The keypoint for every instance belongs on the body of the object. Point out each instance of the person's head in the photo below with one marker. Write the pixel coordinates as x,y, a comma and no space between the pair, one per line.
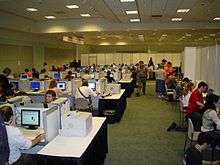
205,140
108,73
50,96
189,87
53,84
45,64
212,102
33,70
70,73
85,83
7,71
26,70
6,113
164,61
203,87
169,63
186,80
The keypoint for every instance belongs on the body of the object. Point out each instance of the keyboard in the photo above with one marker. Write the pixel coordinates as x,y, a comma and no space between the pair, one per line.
31,134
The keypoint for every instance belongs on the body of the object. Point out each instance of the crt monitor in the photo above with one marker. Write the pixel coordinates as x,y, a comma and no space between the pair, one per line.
92,85
23,76
61,85
56,76
35,85
30,118
14,85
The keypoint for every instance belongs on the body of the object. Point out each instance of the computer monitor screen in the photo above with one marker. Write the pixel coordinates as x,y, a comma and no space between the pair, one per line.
14,85
30,118
56,76
61,85
92,85
23,76
35,85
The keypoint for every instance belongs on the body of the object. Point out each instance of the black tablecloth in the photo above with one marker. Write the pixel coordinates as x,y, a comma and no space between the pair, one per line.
94,155
129,88
118,105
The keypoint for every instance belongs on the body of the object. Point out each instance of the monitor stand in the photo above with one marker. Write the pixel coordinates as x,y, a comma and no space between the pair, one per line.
32,127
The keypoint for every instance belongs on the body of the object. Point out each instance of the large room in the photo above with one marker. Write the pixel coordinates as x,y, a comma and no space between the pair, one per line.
108,82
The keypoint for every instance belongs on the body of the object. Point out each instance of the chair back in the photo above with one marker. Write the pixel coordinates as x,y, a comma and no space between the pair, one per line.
82,104
190,128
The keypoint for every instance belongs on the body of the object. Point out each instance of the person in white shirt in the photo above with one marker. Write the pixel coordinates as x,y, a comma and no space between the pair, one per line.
16,140
211,116
187,91
84,91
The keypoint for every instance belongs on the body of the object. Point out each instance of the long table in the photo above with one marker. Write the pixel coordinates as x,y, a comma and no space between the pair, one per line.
89,150
116,102
128,86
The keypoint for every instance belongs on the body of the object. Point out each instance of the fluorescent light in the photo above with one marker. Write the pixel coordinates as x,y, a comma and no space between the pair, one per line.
32,9
72,6
176,19
216,19
212,35
85,15
131,12
183,10
164,35
127,0
135,20
50,17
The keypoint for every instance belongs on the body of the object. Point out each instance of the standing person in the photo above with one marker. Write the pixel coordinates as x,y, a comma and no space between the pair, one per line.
4,147
151,69
196,103
5,86
7,73
168,69
160,81
141,78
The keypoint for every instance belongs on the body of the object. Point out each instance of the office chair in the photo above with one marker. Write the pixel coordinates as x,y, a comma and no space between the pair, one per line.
82,104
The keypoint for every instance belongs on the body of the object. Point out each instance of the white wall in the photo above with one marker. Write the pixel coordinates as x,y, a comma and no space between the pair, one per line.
131,58
203,64
189,64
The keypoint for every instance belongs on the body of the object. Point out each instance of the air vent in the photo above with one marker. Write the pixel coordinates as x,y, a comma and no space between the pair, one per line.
156,16
59,12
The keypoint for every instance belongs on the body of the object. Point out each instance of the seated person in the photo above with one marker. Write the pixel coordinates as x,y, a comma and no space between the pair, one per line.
84,91
171,82
211,118
69,76
16,140
196,105
187,91
50,96
53,86
194,154
109,77
2,94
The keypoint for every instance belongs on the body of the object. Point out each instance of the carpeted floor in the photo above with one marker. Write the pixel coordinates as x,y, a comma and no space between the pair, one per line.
141,137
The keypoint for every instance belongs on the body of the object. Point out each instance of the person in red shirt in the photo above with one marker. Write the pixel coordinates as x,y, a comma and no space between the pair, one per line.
196,104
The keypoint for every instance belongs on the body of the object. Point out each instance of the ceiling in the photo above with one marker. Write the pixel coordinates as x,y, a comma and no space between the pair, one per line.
150,12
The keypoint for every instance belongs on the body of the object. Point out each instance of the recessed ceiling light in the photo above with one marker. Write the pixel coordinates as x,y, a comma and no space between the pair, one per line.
135,20
212,35
176,19
32,9
127,0
85,15
50,17
183,10
216,19
188,35
131,12
164,35
72,6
